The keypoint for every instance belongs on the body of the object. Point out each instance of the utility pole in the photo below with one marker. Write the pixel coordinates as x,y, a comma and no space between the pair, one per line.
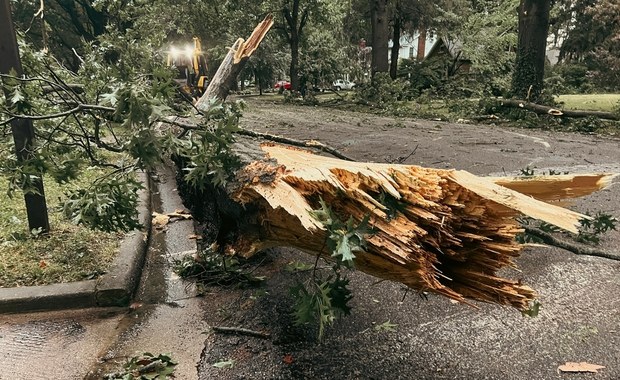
22,129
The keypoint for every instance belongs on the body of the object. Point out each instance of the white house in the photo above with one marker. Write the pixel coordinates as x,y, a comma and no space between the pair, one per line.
414,46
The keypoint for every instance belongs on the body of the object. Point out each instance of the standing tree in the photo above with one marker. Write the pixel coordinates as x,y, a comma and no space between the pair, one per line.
379,19
527,80
592,39
295,19
21,129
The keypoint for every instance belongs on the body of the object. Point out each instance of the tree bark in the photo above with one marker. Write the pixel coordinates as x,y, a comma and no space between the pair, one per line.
527,81
295,28
22,130
395,46
380,36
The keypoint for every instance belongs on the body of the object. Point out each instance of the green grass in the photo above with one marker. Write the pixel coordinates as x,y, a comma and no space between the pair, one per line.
590,102
68,253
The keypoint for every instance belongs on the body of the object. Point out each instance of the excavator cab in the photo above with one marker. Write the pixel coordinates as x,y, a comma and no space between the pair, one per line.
192,66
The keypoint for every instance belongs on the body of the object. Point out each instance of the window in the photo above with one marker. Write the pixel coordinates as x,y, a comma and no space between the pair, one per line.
411,52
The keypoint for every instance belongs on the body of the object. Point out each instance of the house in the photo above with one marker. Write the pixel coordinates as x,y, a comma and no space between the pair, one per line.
416,46
451,51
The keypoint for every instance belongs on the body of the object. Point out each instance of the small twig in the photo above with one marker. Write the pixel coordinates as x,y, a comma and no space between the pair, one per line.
241,331
402,159
578,249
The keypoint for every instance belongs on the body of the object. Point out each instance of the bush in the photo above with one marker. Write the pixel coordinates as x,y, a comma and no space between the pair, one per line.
421,75
568,78
382,91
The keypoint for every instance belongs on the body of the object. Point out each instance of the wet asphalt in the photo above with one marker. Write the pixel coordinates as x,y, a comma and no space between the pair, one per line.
432,338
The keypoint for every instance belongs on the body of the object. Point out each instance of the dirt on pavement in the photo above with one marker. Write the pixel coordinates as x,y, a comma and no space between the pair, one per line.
433,338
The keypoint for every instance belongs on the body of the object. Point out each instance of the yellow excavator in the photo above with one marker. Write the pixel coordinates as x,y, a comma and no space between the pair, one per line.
192,66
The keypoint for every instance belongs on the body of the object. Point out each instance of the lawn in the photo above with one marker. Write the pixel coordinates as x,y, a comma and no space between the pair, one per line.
68,253
591,102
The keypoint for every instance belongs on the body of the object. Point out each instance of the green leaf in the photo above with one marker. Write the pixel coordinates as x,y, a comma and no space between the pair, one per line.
305,304
533,310
297,266
386,326
224,364
110,98
324,214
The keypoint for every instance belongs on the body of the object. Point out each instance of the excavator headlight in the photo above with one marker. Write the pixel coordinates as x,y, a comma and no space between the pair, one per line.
189,52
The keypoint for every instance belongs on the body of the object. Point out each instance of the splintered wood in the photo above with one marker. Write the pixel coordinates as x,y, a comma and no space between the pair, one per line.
443,231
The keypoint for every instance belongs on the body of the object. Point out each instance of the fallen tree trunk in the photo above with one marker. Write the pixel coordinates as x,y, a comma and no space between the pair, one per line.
443,231
546,110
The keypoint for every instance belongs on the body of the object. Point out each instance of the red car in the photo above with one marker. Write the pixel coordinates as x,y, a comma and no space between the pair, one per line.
283,83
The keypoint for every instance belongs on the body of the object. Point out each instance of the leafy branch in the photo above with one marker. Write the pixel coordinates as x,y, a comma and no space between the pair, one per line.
590,233
324,298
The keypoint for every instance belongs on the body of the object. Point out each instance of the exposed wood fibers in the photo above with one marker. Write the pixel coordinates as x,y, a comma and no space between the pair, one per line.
450,233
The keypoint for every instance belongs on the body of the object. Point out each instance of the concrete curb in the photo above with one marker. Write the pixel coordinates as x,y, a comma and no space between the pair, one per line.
115,288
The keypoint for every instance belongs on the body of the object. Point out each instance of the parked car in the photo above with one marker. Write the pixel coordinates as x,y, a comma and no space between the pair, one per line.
342,84
282,83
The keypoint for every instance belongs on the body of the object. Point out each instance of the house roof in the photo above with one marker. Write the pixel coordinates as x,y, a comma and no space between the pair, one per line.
453,47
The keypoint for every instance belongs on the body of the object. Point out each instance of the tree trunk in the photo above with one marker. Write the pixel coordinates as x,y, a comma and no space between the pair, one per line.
293,68
443,231
527,81
22,130
380,36
395,47
546,110
295,28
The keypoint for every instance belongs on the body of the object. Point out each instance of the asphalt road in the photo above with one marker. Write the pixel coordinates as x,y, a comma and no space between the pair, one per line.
432,339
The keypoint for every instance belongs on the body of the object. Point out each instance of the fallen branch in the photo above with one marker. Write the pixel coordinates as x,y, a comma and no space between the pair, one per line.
546,110
443,231
302,144
578,249
269,137
241,331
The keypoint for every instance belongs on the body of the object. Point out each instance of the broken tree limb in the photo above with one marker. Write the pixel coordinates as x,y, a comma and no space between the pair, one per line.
578,249
556,188
241,331
446,231
226,76
304,144
546,110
